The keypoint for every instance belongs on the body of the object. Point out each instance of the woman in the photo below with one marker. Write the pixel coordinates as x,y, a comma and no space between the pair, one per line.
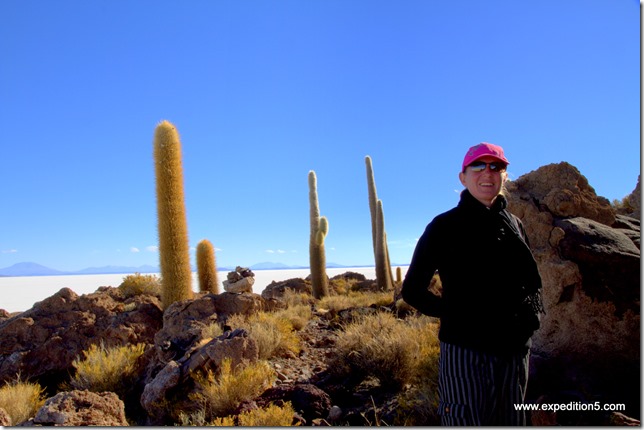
490,303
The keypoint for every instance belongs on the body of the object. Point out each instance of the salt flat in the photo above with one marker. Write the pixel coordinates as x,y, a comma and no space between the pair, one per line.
20,293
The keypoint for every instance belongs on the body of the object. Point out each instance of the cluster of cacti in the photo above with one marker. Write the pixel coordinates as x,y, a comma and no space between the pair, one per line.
319,230
174,250
207,268
384,277
174,254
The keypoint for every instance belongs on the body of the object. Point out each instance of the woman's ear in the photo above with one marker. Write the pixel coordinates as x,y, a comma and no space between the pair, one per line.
461,177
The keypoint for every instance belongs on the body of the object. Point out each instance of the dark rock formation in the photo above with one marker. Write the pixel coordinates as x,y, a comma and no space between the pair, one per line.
589,341
41,343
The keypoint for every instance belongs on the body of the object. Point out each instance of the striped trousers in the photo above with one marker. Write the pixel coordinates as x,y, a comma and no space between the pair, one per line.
477,388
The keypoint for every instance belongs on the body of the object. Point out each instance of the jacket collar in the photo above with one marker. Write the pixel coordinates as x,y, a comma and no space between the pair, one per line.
468,201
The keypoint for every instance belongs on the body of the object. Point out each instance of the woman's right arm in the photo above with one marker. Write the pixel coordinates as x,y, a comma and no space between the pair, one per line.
415,290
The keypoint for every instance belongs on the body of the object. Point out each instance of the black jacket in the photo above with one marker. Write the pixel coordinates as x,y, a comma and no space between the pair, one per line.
491,297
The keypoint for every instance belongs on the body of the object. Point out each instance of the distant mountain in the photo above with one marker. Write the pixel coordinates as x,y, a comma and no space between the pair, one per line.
268,265
117,269
34,269
29,269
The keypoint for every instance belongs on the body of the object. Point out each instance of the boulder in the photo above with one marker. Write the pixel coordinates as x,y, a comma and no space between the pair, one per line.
42,342
276,290
244,285
240,280
561,190
348,276
309,401
81,408
589,340
239,273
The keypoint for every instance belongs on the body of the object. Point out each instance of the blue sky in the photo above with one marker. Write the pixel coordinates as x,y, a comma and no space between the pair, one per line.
264,91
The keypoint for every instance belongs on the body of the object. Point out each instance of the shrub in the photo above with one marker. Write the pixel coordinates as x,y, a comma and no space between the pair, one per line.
136,284
270,416
293,298
107,369
297,315
274,334
392,351
355,299
418,406
222,393
21,400
212,331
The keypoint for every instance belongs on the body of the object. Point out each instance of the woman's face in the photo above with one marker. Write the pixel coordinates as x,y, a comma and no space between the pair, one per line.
486,185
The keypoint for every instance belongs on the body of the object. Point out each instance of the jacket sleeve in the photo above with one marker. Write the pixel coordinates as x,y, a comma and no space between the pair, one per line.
419,275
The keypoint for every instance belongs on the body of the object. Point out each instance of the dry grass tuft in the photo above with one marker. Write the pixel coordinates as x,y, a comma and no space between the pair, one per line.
293,298
418,406
136,284
107,369
273,332
270,416
297,315
356,299
221,393
21,400
393,351
212,331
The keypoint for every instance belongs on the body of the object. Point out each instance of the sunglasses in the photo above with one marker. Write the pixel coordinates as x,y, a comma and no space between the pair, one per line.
479,166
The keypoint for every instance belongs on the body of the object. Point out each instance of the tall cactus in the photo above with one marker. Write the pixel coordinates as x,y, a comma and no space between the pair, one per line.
384,277
207,268
319,230
174,250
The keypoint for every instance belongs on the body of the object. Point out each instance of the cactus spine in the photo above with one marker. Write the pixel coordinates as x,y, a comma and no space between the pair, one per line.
384,276
207,268
174,250
319,230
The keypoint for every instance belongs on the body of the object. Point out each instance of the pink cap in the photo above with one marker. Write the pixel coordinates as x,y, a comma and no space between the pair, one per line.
481,150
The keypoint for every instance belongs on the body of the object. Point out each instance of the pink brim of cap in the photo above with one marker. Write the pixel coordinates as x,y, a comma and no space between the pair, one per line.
481,150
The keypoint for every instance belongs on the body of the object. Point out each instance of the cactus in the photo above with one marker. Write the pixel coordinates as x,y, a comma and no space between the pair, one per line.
319,230
207,268
174,250
399,279
384,277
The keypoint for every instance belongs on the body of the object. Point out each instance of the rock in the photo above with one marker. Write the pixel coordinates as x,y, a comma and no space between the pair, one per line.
43,341
308,400
82,408
244,285
234,345
239,273
5,419
183,323
608,261
334,414
240,280
276,290
153,399
589,339
173,377
563,191
350,276
246,304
